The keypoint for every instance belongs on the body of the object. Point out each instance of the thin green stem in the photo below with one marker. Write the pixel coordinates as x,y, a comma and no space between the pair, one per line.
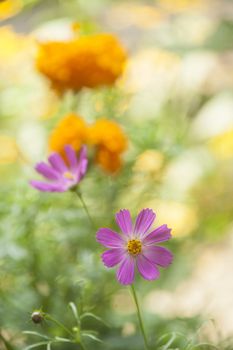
85,208
50,318
61,325
82,345
139,317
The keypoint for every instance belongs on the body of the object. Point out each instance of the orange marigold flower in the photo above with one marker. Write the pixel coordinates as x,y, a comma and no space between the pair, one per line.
110,140
71,130
109,161
105,136
88,61
108,134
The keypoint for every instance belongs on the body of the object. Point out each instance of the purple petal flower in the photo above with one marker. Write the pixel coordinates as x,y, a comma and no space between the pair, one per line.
135,247
113,257
123,220
126,270
109,238
144,221
61,177
147,269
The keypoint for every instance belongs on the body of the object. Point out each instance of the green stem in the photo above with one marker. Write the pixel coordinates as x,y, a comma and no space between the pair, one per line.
85,208
50,318
82,345
139,317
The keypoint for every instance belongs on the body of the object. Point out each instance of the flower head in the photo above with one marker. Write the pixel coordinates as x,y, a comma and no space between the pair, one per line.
110,142
37,316
105,136
71,130
9,8
89,61
135,247
61,176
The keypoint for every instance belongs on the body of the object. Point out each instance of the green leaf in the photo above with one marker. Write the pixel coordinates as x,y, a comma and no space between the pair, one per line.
36,345
64,340
90,314
91,336
75,312
37,334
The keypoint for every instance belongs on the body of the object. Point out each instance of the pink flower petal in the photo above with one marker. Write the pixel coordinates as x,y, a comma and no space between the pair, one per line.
83,161
158,255
113,257
124,221
48,187
126,271
57,163
160,234
72,157
146,268
47,171
144,221
109,238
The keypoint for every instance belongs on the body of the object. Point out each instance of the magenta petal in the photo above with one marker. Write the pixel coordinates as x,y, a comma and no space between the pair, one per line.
146,268
82,164
72,157
126,271
83,167
47,187
83,161
57,162
109,238
158,255
160,234
113,257
124,221
47,171
144,221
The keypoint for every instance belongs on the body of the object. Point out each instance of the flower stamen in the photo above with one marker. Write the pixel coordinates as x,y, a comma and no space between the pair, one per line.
68,175
134,246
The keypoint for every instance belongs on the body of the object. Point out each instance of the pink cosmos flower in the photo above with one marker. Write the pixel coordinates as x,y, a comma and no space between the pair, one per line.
60,176
136,246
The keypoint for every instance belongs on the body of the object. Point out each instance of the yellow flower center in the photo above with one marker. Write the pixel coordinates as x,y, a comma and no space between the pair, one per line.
68,175
134,246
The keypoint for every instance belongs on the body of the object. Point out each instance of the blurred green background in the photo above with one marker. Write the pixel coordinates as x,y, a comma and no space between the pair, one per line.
175,104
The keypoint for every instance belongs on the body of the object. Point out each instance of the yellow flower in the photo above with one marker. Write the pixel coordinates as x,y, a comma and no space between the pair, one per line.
110,140
105,136
9,8
222,145
88,61
149,162
12,43
181,217
8,150
71,130
181,5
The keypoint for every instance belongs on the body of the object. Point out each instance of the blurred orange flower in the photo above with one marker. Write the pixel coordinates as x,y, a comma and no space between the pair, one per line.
71,130
110,140
105,136
88,61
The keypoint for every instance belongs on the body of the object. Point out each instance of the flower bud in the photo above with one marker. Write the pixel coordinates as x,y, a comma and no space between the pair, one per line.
37,317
